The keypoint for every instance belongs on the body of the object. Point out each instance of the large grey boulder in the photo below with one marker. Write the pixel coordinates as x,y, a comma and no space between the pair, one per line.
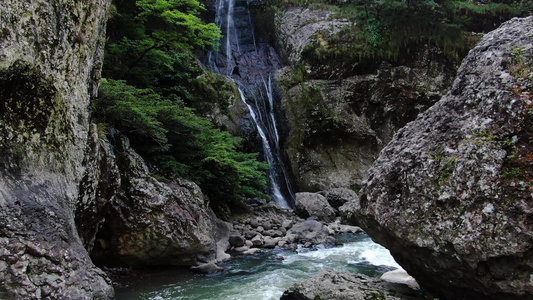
50,60
348,286
451,196
309,231
313,204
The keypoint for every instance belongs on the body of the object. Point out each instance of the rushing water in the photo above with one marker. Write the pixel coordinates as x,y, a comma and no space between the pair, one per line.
263,276
250,64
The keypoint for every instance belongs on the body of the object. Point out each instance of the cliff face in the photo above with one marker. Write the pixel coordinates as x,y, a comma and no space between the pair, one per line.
451,194
66,191
342,112
50,59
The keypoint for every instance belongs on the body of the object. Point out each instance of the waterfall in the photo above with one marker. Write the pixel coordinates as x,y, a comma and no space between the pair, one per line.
250,64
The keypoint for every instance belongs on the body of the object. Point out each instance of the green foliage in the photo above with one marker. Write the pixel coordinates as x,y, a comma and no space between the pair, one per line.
181,143
153,38
390,29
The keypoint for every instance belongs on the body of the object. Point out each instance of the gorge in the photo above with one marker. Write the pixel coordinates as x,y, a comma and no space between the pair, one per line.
449,194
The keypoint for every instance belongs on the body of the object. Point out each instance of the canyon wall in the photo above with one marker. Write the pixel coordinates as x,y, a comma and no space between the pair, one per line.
72,192
341,112
50,61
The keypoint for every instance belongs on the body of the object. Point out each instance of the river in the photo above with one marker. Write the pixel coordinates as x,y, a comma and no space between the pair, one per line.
263,276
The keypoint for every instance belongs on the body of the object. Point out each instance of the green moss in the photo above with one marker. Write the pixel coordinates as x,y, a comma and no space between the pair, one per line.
512,173
376,296
447,171
446,167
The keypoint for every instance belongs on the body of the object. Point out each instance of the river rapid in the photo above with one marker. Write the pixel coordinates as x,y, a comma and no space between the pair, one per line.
263,276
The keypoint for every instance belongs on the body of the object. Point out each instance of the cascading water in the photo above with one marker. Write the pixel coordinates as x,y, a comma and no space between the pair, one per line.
250,64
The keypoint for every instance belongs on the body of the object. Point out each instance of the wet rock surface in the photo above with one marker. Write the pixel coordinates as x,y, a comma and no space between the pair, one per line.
348,286
451,196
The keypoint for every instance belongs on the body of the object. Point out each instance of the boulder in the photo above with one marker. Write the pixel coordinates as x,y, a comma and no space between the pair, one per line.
450,196
252,251
342,112
312,204
287,224
270,242
348,286
149,222
400,276
257,240
339,196
249,234
308,231
237,240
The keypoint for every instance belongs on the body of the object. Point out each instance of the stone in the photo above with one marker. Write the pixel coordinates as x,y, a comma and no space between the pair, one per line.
254,223
270,242
266,225
208,268
308,231
341,228
449,195
287,224
282,230
252,251
400,276
237,240
257,240
314,205
249,234
348,286
241,249
339,196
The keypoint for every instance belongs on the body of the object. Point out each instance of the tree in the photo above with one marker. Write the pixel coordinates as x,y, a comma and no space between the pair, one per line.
146,37
180,143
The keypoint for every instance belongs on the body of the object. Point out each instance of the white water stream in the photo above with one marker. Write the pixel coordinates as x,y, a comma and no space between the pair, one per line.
264,276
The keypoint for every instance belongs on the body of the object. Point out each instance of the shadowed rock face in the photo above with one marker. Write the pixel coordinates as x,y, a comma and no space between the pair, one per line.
50,60
451,194
342,112
136,220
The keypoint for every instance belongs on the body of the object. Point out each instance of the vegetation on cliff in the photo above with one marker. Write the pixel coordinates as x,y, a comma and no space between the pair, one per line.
153,86
390,29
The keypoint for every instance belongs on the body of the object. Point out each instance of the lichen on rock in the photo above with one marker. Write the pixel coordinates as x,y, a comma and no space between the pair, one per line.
451,194
50,58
